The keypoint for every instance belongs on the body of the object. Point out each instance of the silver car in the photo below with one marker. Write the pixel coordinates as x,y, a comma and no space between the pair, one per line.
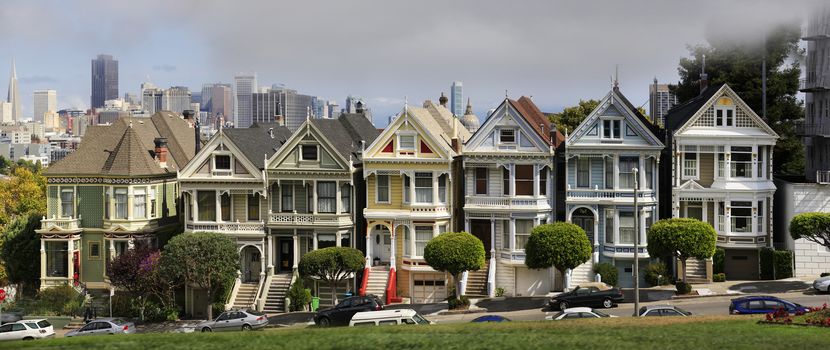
234,320
104,326
822,284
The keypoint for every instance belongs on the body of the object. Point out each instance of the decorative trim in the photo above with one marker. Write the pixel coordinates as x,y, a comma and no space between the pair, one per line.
104,180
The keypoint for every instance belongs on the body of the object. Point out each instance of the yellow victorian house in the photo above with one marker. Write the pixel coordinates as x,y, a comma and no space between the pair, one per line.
409,174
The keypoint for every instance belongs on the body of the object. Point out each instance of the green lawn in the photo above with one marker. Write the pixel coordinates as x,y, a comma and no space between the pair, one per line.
689,333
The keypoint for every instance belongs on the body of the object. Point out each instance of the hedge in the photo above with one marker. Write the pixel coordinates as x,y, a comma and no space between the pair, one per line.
776,264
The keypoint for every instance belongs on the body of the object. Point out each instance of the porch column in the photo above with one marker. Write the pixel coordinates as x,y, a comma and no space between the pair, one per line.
42,258
314,240
595,254
512,234
296,254
314,204
434,188
368,247
219,205
642,171
269,249
491,272
392,249
129,202
195,203
111,249
70,244
512,182
536,171
616,171
411,176
338,207
337,237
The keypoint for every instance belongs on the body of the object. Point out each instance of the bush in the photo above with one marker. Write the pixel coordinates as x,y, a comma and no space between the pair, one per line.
718,260
499,292
767,266
825,274
217,308
608,272
719,277
561,245
656,274
683,288
59,300
300,296
783,264
122,306
455,303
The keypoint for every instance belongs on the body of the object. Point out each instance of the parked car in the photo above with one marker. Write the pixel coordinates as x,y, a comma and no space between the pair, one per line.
104,326
341,314
490,318
27,330
663,310
588,294
235,320
578,312
387,317
822,284
763,305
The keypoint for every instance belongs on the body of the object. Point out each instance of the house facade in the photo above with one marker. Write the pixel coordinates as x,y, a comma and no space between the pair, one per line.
118,190
718,168
601,155
507,189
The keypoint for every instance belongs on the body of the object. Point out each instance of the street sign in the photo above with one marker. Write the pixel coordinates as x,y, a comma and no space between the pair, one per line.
2,295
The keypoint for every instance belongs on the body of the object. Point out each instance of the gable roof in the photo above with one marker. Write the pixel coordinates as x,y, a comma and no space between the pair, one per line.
126,148
256,143
634,110
537,120
346,133
680,114
653,133
440,122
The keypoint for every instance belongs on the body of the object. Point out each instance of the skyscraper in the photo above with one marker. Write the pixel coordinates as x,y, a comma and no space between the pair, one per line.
294,107
176,99
151,97
104,80
457,98
14,96
244,85
221,103
45,101
661,100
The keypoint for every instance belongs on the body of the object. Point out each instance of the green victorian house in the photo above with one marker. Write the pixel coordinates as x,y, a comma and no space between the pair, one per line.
116,191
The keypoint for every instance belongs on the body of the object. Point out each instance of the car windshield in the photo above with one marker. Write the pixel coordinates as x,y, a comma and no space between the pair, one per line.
682,311
420,319
600,313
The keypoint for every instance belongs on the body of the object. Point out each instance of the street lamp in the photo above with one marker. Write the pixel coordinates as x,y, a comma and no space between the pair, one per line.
636,246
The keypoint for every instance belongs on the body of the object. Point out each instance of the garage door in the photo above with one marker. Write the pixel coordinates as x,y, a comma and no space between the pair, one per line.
428,288
741,264
532,282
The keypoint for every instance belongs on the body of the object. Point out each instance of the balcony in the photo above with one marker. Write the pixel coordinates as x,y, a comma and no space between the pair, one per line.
823,177
226,227
60,224
308,219
511,202
624,251
813,84
742,241
622,195
812,129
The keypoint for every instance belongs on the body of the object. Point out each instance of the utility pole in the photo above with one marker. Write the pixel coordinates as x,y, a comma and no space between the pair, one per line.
636,245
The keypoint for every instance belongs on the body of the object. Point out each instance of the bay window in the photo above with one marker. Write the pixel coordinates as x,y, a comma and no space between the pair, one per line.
543,181
225,202
609,173
121,203
505,234
423,187
761,223
741,161
326,241
422,235
627,233
56,258
741,216
67,203
609,226
139,202
505,182
649,173
442,188
406,187
523,228
326,197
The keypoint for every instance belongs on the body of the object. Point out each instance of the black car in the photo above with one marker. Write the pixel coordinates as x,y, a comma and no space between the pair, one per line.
589,294
341,314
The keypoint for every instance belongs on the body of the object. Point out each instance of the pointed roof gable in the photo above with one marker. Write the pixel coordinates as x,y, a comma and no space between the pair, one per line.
618,105
256,143
422,121
130,158
689,114
346,133
680,114
525,113
534,117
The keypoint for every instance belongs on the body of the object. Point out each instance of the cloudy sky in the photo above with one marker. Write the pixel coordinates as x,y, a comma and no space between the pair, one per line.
556,51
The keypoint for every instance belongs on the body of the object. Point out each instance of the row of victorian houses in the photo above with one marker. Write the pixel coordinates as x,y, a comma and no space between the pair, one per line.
341,182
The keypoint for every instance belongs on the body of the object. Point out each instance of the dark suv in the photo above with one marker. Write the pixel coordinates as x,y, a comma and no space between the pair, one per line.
341,314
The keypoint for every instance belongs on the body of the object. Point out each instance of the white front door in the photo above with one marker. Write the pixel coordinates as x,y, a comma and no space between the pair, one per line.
381,244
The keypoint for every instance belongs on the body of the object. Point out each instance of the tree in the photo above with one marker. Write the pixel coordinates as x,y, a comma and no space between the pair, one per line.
738,64
23,193
814,227
571,117
130,271
562,245
21,251
454,253
682,238
208,260
331,265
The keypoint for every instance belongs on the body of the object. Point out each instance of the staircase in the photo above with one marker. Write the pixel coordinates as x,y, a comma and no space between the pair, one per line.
275,302
378,277
582,274
695,271
477,282
245,296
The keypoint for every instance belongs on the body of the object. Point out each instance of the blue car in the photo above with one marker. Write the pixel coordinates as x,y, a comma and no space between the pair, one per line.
490,318
763,305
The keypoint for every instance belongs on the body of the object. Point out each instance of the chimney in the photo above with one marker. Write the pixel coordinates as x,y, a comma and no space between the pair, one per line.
456,145
443,100
704,78
271,132
161,151
280,120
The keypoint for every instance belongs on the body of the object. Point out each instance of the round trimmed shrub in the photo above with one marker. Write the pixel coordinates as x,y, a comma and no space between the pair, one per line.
719,277
562,245
683,288
608,273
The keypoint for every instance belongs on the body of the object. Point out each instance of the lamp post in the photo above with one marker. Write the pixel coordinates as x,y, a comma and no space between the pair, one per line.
636,246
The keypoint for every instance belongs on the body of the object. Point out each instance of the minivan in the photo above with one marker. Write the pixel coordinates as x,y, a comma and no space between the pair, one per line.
387,317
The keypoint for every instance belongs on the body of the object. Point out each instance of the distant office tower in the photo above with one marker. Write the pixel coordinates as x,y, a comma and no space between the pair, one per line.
151,97
6,113
352,102
132,99
14,96
45,101
104,80
265,106
661,100
294,107
320,108
334,110
457,99
244,86
207,94
176,99
221,103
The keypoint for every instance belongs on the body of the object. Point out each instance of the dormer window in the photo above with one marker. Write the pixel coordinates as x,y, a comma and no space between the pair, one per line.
308,153
507,136
725,112
222,164
611,129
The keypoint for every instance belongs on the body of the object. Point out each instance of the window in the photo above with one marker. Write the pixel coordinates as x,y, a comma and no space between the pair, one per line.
345,198
505,182
253,207
543,181
95,250
627,164
153,202
407,241
56,258
741,162
583,172
222,164
382,189
121,203
761,161
741,215
442,188
423,187
609,172
206,201
724,115
721,164
611,129
481,180
309,191
689,165
422,235
523,228
326,241
287,195
609,226
694,210
345,241
761,223
524,180
649,173
507,136
406,187
627,233
107,202
505,235
67,203
406,143
326,197
225,202
139,202
308,152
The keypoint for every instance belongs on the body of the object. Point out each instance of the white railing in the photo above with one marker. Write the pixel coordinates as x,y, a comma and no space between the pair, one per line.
243,227
309,219
61,223
506,201
608,194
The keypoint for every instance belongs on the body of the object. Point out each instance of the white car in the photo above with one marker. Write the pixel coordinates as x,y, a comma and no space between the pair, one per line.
578,312
822,284
27,330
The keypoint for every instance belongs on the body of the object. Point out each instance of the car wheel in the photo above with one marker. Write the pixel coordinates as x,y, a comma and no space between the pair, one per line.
325,322
563,305
607,303
206,330
246,327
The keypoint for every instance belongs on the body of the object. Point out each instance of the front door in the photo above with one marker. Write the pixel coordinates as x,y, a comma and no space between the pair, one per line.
584,218
381,243
481,229
286,250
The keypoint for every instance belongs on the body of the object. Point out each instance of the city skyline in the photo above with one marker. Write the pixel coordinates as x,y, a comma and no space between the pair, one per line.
376,69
